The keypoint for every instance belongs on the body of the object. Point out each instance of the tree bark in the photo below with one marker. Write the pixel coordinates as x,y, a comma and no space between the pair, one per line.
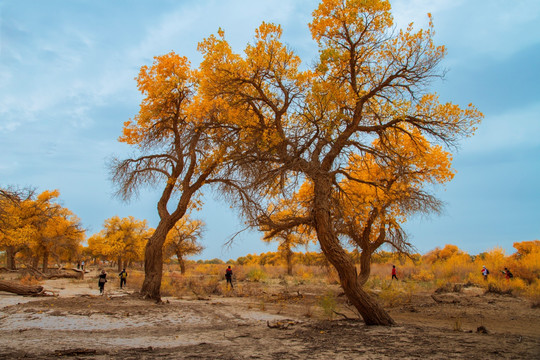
119,263
153,261
372,313
289,255
10,258
45,267
182,263
20,289
35,261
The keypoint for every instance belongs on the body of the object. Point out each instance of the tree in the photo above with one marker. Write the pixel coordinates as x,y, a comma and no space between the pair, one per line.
15,231
55,229
288,238
182,240
124,239
370,83
60,237
180,149
38,228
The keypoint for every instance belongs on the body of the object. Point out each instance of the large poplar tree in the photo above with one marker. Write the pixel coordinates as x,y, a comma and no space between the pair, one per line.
368,88
178,150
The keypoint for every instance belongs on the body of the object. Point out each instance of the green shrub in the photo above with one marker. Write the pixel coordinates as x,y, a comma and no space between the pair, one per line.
256,275
328,304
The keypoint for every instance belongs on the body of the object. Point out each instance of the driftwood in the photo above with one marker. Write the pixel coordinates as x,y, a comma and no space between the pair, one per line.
20,289
281,324
57,273
445,299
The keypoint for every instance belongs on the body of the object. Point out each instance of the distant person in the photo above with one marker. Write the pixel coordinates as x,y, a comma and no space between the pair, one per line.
507,274
123,276
78,265
228,276
394,276
82,265
485,272
102,280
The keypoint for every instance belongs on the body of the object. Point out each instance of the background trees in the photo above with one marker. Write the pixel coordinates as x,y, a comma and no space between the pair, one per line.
182,240
14,230
367,91
122,241
38,228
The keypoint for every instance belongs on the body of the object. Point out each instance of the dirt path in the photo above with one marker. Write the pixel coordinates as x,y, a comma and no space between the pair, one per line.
81,324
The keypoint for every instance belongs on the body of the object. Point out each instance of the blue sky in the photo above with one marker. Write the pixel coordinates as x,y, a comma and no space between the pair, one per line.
67,70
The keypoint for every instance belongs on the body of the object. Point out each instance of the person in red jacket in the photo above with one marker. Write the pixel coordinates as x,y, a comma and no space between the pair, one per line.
228,276
394,272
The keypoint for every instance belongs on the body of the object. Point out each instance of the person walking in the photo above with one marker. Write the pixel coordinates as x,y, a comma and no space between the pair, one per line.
394,276
485,272
82,265
507,274
101,282
123,276
228,276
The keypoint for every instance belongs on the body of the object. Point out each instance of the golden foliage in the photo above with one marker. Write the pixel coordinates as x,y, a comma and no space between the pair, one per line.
120,238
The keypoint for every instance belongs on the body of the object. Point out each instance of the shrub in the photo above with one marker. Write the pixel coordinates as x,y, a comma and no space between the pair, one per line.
422,275
256,275
328,304
29,280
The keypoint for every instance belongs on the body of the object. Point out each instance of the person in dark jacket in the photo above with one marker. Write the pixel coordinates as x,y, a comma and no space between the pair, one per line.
228,276
123,276
102,280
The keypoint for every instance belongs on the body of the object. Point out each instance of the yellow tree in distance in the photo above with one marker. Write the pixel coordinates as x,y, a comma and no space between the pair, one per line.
182,240
288,238
121,239
367,92
15,227
38,228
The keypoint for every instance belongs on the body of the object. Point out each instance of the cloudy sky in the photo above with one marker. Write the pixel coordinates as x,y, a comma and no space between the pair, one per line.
67,70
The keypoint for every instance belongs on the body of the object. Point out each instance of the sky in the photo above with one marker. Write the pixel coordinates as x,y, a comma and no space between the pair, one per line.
67,84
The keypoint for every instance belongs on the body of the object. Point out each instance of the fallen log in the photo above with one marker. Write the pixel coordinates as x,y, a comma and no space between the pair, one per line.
20,289
56,273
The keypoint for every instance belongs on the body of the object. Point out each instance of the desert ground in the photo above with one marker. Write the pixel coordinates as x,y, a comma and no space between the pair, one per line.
275,321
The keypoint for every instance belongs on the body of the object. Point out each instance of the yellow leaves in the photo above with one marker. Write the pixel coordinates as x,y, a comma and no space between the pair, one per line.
182,238
268,31
48,195
120,237
38,225
168,86
335,21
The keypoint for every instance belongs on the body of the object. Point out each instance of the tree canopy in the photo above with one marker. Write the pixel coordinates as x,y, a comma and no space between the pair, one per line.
361,119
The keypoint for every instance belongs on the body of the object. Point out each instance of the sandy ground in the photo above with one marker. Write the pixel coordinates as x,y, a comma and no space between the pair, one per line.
80,324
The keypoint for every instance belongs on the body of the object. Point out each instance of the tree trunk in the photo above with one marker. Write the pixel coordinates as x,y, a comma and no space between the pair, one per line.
35,261
119,263
372,313
289,256
20,289
182,263
153,261
45,267
10,258
365,266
